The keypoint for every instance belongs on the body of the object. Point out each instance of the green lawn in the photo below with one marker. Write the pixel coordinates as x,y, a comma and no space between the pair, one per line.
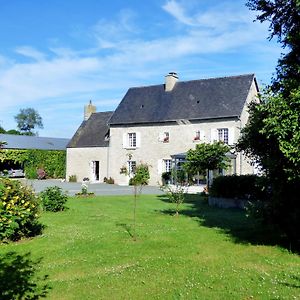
205,253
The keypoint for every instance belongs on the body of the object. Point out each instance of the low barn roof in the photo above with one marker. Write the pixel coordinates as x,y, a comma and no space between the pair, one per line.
33,142
189,100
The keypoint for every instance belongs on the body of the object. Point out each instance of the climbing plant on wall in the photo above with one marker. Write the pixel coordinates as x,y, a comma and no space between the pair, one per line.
52,161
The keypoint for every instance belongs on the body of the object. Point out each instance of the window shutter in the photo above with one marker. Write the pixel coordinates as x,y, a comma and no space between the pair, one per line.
138,139
213,135
230,136
161,137
125,140
202,135
160,166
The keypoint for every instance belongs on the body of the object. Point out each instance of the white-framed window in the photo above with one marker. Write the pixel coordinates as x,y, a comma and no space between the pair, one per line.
131,167
131,140
167,165
223,135
164,137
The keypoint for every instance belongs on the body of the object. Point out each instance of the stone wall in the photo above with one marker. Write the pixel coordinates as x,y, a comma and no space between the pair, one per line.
80,162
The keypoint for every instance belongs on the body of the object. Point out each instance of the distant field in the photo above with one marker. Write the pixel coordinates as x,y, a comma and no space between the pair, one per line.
205,253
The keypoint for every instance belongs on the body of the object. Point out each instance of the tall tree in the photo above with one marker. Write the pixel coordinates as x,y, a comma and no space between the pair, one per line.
272,135
27,120
284,18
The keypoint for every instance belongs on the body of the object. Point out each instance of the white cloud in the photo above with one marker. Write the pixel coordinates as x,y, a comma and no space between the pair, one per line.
30,52
178,12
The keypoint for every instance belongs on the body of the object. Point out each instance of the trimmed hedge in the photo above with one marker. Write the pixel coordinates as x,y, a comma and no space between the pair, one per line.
249,187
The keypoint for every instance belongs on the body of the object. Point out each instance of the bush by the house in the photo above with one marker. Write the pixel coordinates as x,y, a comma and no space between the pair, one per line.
109,180
53,199
19,211
249,187
72,178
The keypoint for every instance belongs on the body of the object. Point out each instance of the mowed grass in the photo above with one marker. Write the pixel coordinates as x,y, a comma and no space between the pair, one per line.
205,253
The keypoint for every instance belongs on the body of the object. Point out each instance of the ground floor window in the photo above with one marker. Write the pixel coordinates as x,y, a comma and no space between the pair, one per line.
167,165
131,167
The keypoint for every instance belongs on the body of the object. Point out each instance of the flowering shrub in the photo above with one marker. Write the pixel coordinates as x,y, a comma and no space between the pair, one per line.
53,199
19,211
84,191
41,173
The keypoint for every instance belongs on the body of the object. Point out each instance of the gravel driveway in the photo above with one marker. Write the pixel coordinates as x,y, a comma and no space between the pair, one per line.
97,188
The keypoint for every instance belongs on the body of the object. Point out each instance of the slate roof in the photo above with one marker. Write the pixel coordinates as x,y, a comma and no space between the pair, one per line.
91,133
33,142
189,100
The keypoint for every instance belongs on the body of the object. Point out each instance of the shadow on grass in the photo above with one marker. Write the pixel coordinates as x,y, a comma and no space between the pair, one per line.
18,277
233,222
126,227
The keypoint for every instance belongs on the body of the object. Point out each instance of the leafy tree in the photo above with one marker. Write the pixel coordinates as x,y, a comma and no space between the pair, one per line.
2,130
28,119
284,18
207,157
272,135
175,194
13,131
140,178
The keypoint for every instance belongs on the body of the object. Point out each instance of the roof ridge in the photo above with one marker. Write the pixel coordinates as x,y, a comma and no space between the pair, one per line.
33,136
201,79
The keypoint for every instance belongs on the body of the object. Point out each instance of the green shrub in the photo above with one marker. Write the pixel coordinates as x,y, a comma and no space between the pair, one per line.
250,187
72,178
53,199
109,180
31,173
19,211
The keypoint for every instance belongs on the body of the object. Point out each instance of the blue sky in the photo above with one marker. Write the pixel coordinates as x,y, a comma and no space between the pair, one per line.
57,55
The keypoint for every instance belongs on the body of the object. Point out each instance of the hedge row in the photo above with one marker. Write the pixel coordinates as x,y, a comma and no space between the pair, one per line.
250,187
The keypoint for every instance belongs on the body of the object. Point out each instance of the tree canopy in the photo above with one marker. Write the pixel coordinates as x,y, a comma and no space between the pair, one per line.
206,157
27,120
272,135
284,19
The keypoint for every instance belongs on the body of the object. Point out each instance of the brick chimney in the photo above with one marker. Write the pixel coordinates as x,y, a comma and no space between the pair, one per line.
88,110
170,81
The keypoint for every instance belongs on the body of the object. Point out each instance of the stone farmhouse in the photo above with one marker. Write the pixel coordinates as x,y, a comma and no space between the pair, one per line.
157,124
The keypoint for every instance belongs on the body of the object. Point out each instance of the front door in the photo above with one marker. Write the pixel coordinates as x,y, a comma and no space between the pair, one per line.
96,170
